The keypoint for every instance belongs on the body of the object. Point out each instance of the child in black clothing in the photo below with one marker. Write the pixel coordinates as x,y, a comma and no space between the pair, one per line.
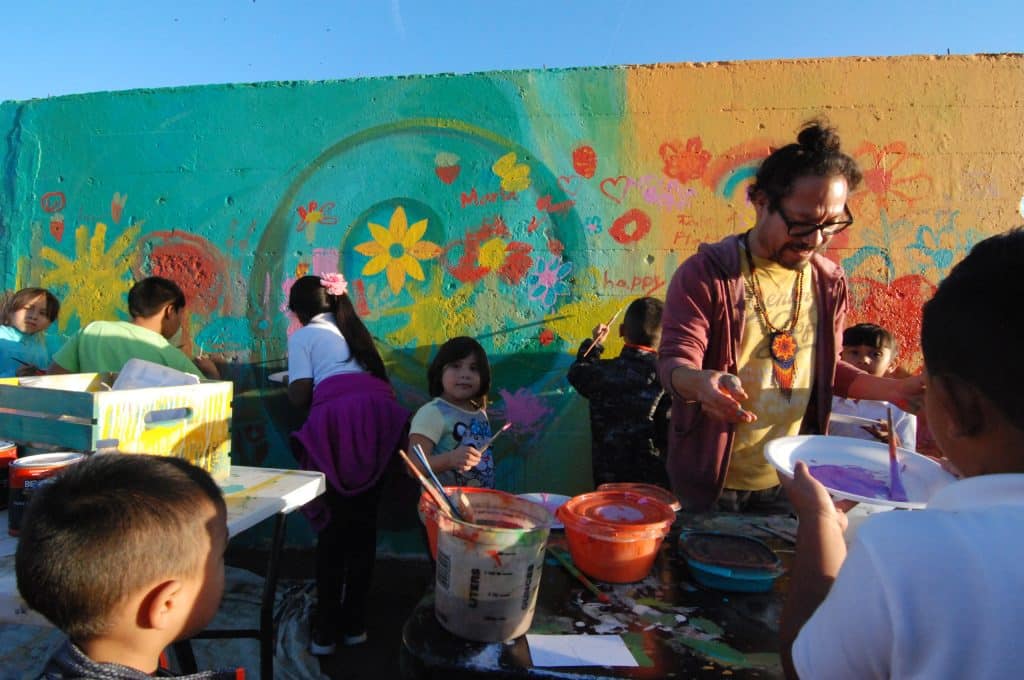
628,407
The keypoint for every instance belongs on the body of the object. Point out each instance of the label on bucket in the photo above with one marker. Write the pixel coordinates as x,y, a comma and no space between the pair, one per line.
19,499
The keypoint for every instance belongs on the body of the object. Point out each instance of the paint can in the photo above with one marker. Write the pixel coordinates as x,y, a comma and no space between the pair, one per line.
8,454
27,475
488,571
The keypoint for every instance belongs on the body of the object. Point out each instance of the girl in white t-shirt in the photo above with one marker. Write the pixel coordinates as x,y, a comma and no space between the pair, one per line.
452,426
354,426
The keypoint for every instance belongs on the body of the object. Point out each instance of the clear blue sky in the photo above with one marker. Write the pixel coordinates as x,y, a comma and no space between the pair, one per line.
53,48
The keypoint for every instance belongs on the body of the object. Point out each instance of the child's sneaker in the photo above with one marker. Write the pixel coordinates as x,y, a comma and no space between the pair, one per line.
322,641
353,639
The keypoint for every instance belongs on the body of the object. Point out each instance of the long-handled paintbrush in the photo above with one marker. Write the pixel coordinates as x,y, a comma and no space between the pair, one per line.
439,499
422,457
896,490
490,440
566,562
602,336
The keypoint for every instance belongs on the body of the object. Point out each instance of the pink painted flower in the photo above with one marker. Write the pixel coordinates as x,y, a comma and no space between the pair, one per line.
334,283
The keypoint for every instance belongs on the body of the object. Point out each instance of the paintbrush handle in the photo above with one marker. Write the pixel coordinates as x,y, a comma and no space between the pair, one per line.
490,440
422,457
572,569
896,490
595,343
424,482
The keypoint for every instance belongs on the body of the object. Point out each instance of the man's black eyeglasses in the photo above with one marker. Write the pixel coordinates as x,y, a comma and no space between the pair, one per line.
801,229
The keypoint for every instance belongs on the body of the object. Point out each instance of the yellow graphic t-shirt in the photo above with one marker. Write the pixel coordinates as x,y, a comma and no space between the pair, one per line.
776,415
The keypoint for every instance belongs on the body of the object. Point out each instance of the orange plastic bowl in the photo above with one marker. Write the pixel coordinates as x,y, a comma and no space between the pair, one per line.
428,510
614,536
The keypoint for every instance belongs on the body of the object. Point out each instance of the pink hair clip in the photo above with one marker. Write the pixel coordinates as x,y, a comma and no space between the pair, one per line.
334,283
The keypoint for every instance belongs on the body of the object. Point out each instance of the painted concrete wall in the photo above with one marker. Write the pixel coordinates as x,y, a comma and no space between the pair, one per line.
520,207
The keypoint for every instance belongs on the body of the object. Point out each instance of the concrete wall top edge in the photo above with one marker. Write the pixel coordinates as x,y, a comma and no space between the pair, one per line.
576,70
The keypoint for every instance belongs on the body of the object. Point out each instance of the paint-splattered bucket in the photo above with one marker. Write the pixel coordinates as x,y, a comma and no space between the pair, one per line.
428,511
8,454
27,475
488,571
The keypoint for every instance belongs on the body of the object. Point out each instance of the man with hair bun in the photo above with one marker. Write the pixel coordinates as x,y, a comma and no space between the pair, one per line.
752,330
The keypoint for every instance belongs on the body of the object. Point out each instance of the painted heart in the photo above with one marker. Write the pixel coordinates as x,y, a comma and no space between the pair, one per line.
566,182
447,173
57,226
615,187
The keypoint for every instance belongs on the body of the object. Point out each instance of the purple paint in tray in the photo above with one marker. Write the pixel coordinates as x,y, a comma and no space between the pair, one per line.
852,479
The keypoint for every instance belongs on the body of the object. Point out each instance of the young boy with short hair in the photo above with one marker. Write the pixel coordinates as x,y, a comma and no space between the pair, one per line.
628,407
156,306
125,554
873,349
935,593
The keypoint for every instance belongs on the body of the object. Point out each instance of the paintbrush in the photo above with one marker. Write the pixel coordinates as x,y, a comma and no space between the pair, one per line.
487,442
896,490
422,457
602,336
566,562
425,483
462,503
35,369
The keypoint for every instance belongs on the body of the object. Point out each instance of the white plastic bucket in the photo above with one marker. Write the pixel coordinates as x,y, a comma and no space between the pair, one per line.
488,571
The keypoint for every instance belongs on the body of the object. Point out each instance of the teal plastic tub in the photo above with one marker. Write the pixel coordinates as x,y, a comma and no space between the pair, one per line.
730,561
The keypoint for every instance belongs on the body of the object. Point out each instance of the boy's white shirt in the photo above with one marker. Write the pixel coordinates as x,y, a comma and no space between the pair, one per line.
905,423
928,594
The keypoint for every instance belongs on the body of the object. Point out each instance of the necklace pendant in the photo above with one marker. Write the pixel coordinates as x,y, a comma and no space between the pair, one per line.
782,347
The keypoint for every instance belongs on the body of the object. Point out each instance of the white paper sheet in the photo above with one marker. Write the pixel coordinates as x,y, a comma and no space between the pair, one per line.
579,650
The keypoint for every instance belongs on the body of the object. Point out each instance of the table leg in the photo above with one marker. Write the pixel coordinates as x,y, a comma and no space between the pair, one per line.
269,594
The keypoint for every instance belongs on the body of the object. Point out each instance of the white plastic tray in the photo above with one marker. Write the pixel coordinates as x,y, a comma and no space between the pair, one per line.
921,475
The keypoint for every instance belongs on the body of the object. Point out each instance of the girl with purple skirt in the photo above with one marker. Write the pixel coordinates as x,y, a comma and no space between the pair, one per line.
354,426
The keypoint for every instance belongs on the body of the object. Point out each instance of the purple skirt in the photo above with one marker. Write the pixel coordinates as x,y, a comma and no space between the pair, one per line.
354,427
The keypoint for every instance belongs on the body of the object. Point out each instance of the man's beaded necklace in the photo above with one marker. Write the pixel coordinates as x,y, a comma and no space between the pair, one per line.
781,342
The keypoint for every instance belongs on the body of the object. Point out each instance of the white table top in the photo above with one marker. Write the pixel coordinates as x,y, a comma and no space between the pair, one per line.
252,495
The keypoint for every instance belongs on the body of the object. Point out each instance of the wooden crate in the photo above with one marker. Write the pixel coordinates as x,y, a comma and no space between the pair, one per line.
78,412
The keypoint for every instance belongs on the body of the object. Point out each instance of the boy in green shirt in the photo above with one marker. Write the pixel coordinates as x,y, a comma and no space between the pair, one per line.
156,305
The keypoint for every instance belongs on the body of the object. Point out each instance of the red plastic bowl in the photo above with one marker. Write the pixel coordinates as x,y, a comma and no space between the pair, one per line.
614,536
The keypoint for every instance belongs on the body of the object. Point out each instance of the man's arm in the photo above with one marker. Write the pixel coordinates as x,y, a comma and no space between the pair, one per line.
690,305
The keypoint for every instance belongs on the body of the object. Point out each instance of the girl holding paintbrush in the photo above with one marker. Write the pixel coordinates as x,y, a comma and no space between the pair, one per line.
354,426
452,429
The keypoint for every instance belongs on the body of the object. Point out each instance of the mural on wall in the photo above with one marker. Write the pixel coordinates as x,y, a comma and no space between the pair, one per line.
518,208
